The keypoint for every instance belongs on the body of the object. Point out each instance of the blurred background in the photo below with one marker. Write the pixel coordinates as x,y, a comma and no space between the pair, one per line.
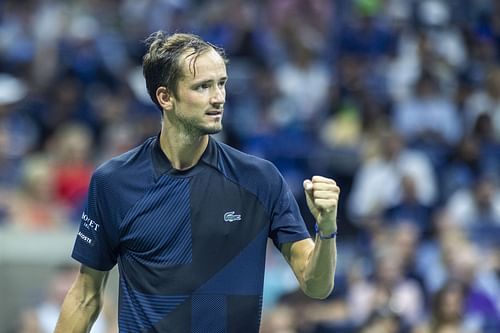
397,100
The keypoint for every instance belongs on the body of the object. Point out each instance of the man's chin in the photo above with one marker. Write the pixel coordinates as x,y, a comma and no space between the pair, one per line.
213,130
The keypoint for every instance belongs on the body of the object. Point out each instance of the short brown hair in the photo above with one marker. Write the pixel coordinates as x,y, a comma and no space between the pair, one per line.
161,65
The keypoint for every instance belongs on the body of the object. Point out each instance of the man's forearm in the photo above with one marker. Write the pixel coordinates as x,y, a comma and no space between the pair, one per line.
320,268
78,313
314,263
322,196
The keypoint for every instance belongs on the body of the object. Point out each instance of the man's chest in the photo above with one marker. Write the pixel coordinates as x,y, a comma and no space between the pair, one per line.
181,218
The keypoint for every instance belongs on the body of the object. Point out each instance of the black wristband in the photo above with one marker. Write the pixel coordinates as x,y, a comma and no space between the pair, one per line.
321,236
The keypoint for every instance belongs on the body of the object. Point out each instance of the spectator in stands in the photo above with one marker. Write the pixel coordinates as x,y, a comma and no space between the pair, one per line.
447,313
70,148
17,132
378,184
464,164
43,317
458,259
388,286
479,302
485,101
383,320
478,205
409,209
35,206
428,117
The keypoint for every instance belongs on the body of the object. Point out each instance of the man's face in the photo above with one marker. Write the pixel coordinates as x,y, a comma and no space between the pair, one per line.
201,93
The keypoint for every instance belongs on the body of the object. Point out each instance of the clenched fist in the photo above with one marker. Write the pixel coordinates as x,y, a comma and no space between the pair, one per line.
322,196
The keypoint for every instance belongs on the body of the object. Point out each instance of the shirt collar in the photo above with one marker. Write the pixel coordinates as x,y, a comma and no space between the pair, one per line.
162,164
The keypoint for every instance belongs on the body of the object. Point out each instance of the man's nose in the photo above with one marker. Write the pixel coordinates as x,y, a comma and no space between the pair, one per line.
219,96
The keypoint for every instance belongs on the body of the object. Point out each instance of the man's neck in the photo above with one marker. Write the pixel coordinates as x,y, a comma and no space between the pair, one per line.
183,151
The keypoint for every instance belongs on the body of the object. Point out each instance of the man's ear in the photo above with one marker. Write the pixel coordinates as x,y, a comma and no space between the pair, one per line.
164,98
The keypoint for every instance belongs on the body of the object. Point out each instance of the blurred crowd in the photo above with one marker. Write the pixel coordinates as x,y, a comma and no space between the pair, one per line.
398,100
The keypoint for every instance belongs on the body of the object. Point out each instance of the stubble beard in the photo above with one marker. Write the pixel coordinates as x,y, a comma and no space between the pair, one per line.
193,129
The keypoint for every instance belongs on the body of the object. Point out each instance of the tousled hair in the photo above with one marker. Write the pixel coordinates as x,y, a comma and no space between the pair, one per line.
161,64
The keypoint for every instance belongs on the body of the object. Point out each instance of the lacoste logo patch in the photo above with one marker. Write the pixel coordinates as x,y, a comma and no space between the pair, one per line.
231,217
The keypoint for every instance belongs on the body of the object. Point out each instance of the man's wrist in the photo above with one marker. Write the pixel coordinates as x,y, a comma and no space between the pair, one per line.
325,234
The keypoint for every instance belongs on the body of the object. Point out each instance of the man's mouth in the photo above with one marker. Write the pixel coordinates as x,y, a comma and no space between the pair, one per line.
214,113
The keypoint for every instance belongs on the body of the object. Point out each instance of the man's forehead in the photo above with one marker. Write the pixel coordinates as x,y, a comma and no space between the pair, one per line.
207,63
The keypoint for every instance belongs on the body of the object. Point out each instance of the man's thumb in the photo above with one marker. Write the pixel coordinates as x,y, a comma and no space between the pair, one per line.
308,188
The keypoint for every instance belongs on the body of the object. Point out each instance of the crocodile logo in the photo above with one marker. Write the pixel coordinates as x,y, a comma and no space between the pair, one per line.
231,217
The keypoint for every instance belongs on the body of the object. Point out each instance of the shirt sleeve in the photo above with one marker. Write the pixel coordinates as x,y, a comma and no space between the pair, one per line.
93,246
287,224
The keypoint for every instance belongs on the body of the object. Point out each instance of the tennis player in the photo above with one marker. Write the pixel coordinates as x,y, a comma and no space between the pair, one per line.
187,218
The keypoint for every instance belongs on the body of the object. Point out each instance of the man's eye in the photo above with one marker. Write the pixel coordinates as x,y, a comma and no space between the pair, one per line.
222,83
203,86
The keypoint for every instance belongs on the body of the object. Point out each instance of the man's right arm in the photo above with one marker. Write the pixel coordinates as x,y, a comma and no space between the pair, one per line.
83,302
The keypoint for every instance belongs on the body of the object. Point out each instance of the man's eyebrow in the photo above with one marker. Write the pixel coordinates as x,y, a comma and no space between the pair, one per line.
195,83
224,78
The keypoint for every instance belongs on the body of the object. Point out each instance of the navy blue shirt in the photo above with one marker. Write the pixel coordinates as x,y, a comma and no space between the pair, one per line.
190,245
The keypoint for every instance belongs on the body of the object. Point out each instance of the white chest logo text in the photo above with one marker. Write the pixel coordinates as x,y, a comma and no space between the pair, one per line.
231,217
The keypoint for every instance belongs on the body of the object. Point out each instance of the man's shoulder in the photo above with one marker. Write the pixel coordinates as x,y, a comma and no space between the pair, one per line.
252,172
125,163
243,161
